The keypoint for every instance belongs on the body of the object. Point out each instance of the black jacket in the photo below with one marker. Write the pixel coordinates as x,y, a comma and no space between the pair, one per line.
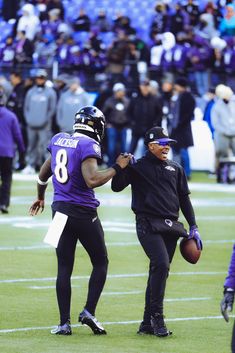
144,112
159,188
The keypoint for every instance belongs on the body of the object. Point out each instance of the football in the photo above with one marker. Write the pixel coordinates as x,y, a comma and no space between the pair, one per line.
189,250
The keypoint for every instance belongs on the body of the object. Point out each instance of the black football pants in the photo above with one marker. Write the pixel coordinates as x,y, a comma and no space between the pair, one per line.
6,180
160,250
90,234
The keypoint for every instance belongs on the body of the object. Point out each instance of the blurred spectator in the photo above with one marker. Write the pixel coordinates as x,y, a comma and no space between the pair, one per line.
39,107
161,20
210,99
227,25
145,112
115,110
200,57
102,23
10,134
193,10
7,52
15,103
116,55
45,51
28,22
179,20
82,22
181,54
50,26
206,27
223,121
123,23
9,9
24,49
74,98
61,84
182,110
56,4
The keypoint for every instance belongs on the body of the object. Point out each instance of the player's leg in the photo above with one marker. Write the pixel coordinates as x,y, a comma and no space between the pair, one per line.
91,237
155,248
65,258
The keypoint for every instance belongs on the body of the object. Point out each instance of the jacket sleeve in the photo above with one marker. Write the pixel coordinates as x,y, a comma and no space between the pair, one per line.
121,180
230,279
52,104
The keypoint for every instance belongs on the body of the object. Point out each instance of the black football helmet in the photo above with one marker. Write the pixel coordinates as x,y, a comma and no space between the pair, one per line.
90,119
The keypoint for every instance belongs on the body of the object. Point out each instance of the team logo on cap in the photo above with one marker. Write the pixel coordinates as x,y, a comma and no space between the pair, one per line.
151,136
165,132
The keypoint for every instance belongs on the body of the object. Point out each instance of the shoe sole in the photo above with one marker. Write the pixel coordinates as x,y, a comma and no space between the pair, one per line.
62,333
169,333
89,322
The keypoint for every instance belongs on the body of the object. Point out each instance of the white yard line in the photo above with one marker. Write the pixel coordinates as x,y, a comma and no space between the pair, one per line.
123,275
177,319
109,244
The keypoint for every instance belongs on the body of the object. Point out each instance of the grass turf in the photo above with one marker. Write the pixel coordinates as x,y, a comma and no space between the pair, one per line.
27,283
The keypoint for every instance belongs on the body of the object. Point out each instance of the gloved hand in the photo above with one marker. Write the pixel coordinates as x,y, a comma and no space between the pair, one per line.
226,304
194,233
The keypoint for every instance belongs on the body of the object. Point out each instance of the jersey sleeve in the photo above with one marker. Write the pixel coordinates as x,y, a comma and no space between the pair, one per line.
90,149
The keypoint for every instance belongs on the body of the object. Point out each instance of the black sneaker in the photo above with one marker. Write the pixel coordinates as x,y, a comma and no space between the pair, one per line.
145,329
159,327
87,319
62,330
4,209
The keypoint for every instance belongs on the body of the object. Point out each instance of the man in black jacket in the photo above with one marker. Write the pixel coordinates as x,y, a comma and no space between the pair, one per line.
159,191
144,111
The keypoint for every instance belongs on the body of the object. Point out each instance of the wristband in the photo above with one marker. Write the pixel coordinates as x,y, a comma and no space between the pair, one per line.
117,168
40,182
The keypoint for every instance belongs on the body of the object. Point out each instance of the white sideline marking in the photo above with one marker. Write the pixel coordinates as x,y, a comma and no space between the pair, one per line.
196,318
124,243
125,275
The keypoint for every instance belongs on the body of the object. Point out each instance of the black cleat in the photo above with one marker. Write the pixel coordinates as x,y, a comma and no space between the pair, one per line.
87,319
62,330
4,209
145,329
159,327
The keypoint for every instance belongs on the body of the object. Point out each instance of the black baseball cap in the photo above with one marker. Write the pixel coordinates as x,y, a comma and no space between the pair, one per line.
157,134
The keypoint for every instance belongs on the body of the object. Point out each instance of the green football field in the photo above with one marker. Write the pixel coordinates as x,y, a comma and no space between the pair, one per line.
28,307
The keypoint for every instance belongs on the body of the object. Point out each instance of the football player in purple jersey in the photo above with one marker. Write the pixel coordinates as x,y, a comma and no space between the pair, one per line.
74,170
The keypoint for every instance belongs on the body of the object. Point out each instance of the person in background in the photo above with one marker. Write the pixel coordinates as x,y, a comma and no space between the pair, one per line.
226,305
159,190
183,105
223,121
39,107
10,135
210,96
145,111
74,170
115,109
70,100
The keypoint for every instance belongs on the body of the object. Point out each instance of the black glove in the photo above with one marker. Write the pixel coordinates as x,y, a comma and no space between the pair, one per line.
226,304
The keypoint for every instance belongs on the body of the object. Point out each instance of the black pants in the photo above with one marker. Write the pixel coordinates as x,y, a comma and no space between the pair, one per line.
91,236
233,339
160,250
6,180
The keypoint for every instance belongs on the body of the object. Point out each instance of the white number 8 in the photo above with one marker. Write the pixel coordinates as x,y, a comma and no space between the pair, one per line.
61,171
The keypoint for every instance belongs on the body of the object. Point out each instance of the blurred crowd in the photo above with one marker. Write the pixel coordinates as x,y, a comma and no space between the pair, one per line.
183,37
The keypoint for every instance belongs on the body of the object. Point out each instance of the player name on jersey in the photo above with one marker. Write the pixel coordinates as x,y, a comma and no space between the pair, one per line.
66,142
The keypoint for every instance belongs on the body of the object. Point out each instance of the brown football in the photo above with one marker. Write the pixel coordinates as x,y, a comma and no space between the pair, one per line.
189,250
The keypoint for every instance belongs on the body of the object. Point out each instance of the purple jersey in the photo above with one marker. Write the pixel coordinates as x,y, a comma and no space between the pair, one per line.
67,154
